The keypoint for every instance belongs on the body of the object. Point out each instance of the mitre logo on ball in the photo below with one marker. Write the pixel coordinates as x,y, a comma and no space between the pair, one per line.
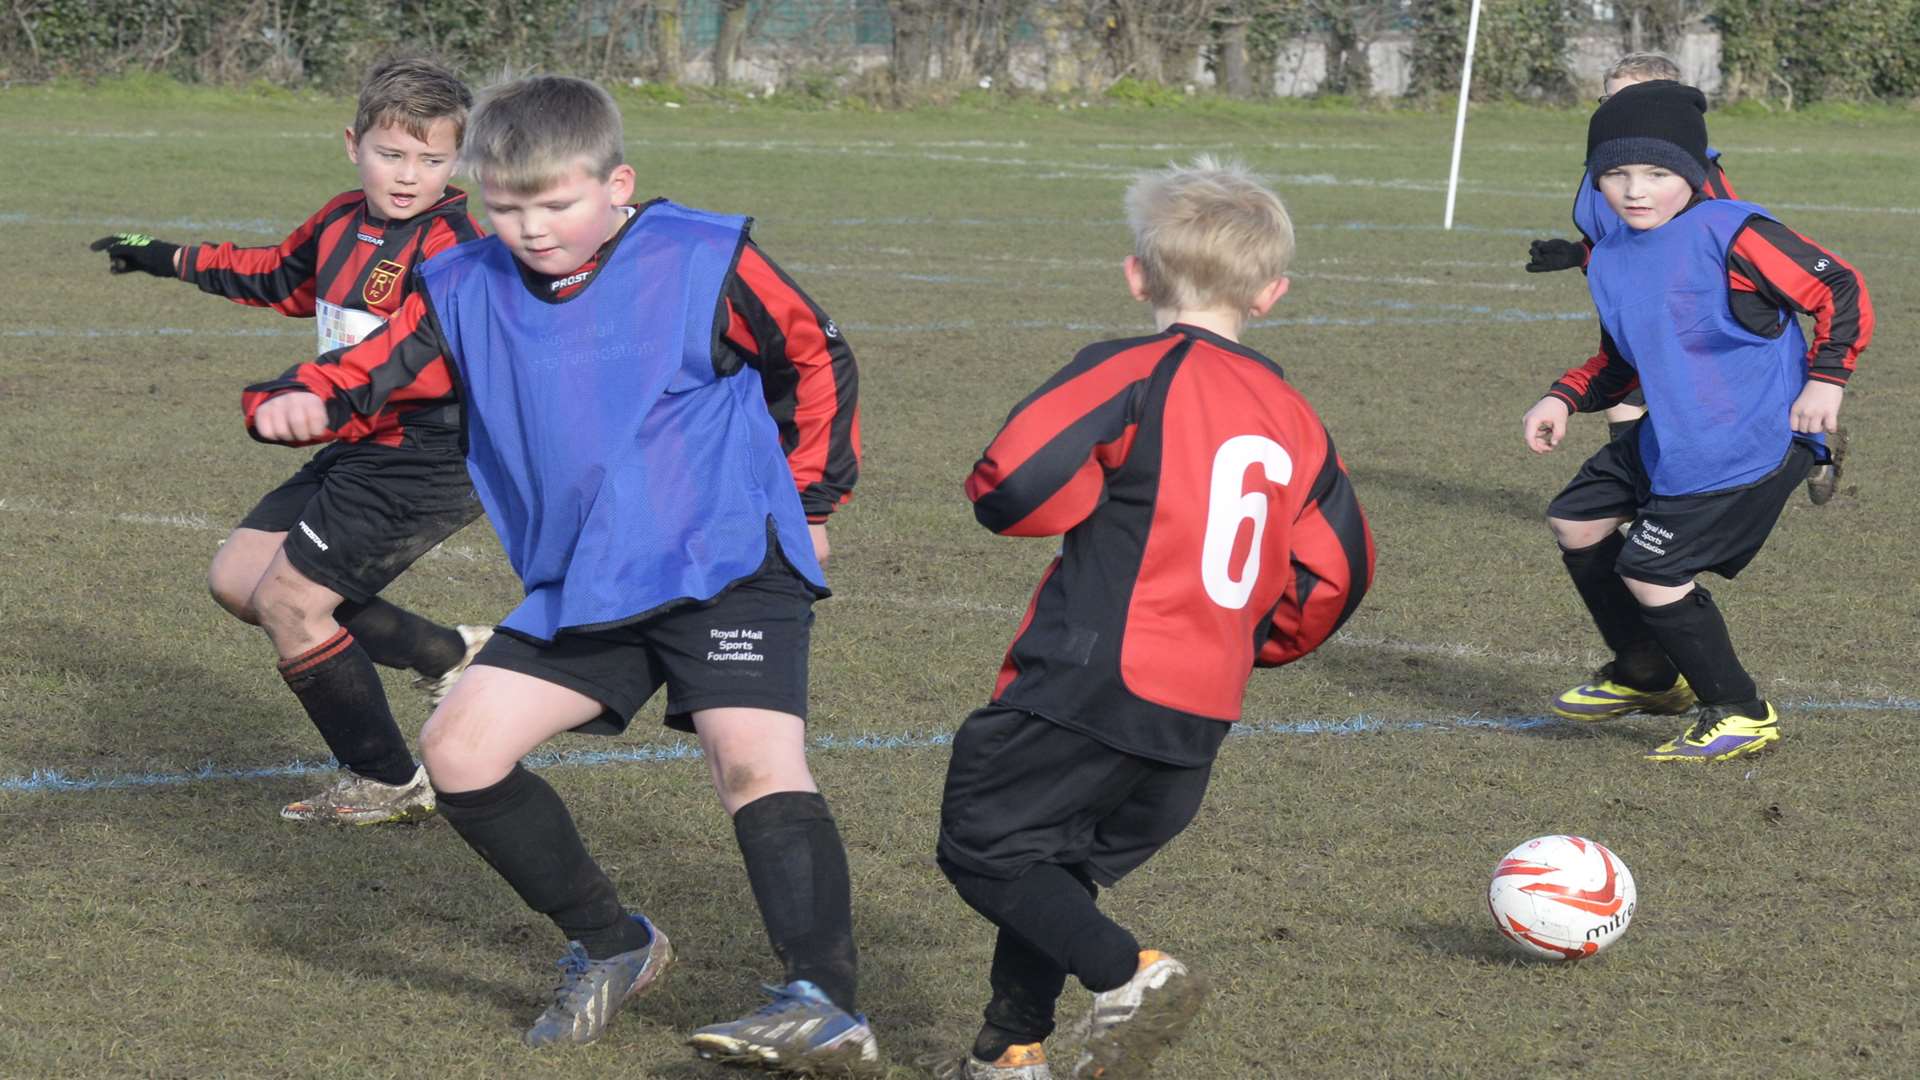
1561,897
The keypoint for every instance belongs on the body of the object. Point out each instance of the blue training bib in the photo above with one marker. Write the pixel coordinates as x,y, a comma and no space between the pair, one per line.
622,472
1719,395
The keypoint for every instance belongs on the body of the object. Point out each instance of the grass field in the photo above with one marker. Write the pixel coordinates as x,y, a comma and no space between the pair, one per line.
158,920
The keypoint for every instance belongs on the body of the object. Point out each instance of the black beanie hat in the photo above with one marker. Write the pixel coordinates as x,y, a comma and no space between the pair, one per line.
1660,123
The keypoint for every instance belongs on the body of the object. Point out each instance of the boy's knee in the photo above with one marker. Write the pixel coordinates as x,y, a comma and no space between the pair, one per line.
281,600
739,779
1574,535
448,744
233,596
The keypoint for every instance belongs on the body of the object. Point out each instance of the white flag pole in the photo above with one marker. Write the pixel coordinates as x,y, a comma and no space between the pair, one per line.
1460,118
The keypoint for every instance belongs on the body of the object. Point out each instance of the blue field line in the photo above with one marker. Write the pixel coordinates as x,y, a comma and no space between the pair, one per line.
53,781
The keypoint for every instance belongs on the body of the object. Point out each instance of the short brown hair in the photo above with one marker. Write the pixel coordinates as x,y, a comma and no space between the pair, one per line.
411,93
1208,234
527,133
1643,66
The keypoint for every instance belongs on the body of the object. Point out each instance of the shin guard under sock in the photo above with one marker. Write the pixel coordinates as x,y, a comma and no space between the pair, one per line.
1639,661
797,866
1694,634
397,638
522,828
341,692
1053,912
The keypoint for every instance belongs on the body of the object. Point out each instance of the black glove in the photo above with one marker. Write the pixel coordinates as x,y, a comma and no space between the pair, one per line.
127,252
1546,256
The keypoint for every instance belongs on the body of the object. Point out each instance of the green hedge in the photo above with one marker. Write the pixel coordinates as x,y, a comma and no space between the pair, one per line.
1520,52
1803,51
288,42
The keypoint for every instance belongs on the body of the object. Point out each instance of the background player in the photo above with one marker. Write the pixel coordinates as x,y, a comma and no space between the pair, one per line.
1697,301
308,563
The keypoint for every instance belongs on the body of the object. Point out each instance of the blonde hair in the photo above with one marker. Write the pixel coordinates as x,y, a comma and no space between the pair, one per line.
1208,234
529,132
411,93
1643,67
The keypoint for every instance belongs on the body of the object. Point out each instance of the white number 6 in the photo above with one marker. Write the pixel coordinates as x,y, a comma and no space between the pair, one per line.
1228,505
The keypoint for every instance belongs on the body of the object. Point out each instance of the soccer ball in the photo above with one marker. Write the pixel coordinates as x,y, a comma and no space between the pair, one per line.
1561,897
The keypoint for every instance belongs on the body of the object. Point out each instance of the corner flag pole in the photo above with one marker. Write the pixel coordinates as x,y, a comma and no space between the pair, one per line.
1460,118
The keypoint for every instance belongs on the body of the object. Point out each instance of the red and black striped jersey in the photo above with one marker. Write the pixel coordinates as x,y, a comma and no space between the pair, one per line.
350,270
1209,528
806,368
1773,274
342,255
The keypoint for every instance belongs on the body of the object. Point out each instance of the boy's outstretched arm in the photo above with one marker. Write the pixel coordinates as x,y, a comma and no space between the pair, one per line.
1332,568
403,363
280,276
807,370
1045,472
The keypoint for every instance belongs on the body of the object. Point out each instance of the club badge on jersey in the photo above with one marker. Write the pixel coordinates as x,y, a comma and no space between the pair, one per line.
340,327
382,280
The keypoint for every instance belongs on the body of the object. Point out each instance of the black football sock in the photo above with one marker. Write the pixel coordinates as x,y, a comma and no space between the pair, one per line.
1694,634
397,638
1639,661
523,830
1053,911
1617,428
1025,987
798,868
341,692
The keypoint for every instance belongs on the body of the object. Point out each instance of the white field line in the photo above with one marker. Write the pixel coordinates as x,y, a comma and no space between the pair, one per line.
262,226
176,225
1480,317
199,522
151,331
1105,267
43,780
1485,316
1409,313
944,144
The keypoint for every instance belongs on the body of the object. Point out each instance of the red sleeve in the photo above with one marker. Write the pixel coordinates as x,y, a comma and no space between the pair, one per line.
1793,273
280,277
1718,186
403,363
812,384
1047,468
1333,560
1599,383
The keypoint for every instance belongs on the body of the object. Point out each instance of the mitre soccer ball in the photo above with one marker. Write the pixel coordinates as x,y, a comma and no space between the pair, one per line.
1561,897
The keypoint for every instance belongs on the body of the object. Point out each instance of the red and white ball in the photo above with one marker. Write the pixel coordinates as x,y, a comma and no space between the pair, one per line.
1561,897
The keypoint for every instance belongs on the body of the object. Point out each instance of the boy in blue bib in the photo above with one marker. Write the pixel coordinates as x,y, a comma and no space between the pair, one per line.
1697,299
658,424
1595,219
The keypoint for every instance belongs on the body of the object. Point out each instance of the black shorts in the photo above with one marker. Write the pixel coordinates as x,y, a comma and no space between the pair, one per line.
357,515
1673,538
745,648
1636,397
1023,790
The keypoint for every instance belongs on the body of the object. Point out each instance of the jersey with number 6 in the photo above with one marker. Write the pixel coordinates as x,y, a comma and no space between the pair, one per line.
1209,528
